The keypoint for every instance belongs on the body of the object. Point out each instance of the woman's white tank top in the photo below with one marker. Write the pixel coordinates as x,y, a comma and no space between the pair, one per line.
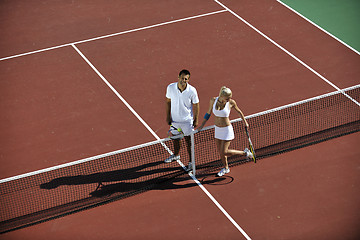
221,113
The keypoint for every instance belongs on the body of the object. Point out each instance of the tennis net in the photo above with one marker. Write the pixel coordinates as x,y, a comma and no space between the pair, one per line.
286,128
54,192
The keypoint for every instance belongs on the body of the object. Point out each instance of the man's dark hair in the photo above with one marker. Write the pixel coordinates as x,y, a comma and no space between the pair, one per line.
184,71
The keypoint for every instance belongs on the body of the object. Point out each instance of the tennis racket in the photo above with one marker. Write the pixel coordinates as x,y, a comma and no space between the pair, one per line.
175,133
251,145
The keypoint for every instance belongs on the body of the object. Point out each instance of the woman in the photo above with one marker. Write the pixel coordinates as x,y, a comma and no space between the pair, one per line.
224,131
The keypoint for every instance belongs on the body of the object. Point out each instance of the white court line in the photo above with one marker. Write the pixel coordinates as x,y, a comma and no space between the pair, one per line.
122,99
158,138
220,207
328,33
116,93
287,52
112,35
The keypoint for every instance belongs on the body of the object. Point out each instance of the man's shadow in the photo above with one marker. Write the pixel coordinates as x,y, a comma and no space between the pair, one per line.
178,182
149,170
156,175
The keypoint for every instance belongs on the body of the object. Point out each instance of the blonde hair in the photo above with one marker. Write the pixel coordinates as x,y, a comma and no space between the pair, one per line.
225,91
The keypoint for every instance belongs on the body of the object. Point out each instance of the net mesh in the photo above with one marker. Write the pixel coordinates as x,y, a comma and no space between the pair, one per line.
285,129
89,183
55,192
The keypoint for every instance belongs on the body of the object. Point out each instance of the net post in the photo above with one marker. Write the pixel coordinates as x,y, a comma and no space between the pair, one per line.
193,153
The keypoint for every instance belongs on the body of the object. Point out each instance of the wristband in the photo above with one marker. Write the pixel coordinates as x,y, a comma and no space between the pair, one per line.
207,116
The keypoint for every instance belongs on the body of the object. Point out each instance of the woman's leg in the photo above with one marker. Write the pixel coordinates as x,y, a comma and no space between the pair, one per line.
226,152
232,152
224,146
220,144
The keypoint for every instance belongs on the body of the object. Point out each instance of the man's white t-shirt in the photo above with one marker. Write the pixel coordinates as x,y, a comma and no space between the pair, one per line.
181,102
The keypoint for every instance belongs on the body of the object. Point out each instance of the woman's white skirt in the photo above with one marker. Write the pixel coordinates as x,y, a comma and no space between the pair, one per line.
224,133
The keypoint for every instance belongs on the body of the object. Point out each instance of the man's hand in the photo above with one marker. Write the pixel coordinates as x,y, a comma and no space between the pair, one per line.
196,122
168,120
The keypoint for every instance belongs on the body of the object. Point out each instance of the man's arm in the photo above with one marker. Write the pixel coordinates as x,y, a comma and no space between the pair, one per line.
196,110
168,111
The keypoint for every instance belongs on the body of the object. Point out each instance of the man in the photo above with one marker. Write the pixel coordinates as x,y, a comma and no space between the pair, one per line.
182,111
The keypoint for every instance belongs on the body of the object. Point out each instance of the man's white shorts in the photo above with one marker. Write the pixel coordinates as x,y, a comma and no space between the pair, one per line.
187,128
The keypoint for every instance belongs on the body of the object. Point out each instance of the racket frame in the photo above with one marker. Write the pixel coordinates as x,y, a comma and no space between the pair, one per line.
250,145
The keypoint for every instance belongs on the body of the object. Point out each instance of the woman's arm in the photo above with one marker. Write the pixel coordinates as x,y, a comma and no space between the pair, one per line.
237,109
208,113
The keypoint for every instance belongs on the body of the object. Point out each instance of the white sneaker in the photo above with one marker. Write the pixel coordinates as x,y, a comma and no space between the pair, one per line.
172,158
223,172
248,153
